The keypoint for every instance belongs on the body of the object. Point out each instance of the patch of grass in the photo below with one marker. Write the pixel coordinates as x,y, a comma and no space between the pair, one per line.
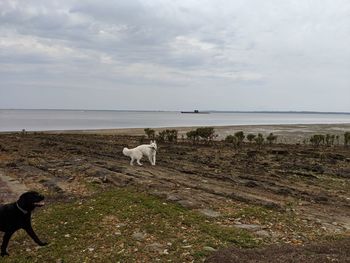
100,228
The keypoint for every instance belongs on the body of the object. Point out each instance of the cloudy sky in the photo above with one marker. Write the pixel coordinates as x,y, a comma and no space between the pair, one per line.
175,54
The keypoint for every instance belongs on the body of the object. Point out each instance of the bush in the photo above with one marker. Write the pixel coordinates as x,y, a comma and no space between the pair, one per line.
151,134
250,137
271,138
161,136
259,140
240,137
167,136
330,139
230,138
193,136
171,135
206,133
346,138
317,139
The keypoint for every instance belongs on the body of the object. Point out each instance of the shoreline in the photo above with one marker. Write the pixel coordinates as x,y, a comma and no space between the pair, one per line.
287,133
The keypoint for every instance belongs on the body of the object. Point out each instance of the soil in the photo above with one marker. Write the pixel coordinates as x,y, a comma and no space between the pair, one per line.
336,251
310,183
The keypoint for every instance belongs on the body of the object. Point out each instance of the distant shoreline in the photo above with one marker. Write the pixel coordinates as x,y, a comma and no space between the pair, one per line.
211,111
65,120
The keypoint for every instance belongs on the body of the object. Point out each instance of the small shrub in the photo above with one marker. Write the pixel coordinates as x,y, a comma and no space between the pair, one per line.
239,137
346,138
271,138
193,136
259,140
317,139
171,135
337,139
206,133
161,136
230,138
330,139
250,137
151,134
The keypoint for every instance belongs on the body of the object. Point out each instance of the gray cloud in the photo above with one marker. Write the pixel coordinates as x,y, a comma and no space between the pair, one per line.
238,55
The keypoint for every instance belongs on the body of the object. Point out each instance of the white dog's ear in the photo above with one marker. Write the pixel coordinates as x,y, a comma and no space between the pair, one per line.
151,142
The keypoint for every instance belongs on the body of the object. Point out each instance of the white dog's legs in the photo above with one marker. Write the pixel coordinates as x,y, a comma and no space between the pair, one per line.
154,159
150,159
132,161
138,162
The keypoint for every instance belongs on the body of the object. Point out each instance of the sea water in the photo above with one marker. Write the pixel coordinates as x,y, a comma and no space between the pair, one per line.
46,120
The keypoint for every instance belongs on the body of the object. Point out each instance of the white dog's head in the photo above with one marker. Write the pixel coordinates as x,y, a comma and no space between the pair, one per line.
153,145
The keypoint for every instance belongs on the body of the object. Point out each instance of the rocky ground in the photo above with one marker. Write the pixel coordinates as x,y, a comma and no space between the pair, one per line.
284,193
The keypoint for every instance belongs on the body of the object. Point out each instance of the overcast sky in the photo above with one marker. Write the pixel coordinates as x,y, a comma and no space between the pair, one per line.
175,54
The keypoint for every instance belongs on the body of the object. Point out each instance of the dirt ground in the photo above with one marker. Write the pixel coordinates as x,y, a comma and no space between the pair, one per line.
336,251
291,194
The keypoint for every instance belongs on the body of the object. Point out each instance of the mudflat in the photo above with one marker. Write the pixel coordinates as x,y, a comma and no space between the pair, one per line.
288,133
283,193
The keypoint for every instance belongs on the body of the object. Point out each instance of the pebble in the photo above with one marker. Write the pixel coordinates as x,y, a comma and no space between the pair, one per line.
207,248
138,236
209,213
262,233
157,247
188,246
248,227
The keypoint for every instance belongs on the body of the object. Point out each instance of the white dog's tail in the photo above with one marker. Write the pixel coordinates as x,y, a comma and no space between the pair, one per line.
126,151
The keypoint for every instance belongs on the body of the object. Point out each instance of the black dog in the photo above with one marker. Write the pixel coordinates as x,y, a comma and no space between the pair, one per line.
17,215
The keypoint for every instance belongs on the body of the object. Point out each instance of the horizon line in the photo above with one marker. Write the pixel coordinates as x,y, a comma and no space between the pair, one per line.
213,111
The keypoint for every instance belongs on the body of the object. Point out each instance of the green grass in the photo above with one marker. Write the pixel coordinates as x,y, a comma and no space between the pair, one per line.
100,228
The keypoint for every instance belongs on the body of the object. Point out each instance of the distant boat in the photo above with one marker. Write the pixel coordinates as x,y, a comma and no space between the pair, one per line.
196,112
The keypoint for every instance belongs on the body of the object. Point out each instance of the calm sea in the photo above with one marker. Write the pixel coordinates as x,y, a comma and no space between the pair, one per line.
44,120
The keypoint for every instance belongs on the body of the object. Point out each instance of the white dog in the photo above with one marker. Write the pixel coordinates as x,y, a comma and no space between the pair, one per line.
136,153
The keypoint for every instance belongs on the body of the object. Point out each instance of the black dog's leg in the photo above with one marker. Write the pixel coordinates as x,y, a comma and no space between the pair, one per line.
32,234
5,242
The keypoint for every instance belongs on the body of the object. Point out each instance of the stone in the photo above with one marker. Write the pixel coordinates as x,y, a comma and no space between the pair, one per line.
173,197
209,213
138,236
262,233
251,227
210,249
156,247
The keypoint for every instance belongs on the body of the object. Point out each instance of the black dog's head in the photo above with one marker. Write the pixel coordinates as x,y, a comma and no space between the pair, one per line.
29,200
